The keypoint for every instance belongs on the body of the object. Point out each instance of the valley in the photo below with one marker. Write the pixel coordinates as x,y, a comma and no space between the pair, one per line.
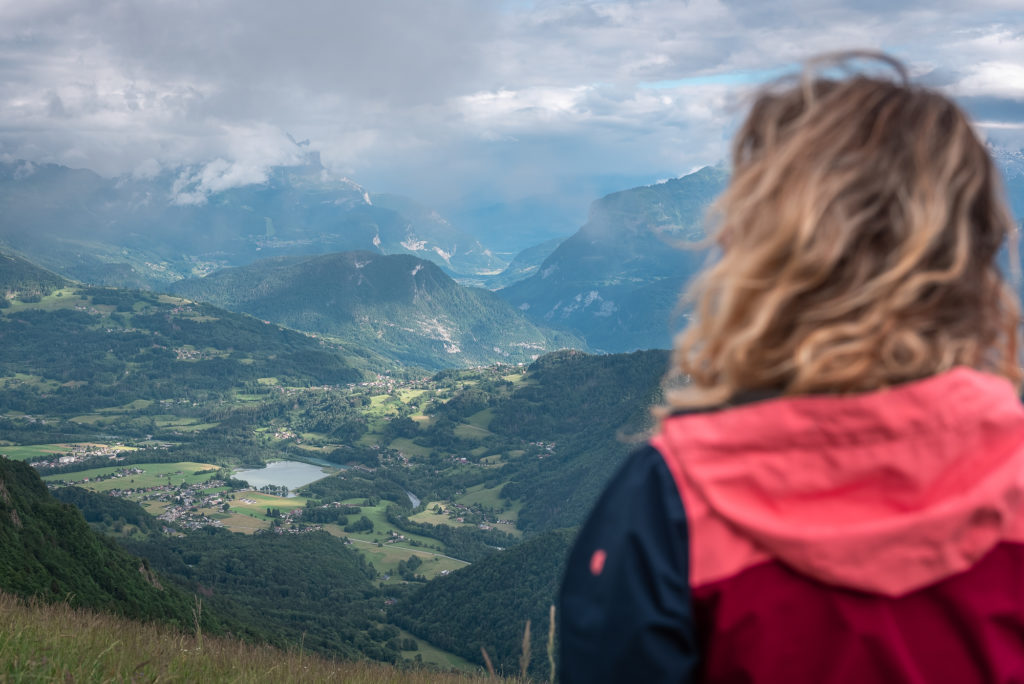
351,452
148,411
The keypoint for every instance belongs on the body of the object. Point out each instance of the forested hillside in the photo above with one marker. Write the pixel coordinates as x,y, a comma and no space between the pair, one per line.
49,552
402,307
487,605
616,282
285,588
593,409
93,348
24,280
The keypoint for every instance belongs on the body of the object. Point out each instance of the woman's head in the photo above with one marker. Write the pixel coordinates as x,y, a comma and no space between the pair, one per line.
859,236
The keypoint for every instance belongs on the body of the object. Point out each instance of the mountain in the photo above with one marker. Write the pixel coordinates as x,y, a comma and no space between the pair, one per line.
617,280
50,553
459,252
143,232
402,307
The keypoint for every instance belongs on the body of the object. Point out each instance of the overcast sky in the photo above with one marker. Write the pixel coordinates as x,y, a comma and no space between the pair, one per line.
444,99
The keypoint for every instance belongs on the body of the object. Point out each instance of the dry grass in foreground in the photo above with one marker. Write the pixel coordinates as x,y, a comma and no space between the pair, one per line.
43,642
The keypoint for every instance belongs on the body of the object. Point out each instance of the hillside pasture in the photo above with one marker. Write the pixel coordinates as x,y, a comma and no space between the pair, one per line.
385,558
153,475
29,381
409,448
33,452
378,516
468,431
136,405
431,518
433,655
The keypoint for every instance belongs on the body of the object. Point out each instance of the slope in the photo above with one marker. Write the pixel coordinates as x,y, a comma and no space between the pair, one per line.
492,600
20,279
83,349
49,552
400,306
616,281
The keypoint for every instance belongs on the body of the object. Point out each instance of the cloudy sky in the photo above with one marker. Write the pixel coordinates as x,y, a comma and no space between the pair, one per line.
448,100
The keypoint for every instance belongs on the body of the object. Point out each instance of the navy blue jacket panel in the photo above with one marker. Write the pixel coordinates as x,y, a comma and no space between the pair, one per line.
626,613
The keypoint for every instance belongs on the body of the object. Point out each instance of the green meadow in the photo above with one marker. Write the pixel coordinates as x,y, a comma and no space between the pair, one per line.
153,475
34,451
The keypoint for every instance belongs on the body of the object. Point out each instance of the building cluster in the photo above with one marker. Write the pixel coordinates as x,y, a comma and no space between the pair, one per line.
81,452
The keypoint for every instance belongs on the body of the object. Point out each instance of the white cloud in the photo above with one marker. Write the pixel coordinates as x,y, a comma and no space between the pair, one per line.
450,97
1000,79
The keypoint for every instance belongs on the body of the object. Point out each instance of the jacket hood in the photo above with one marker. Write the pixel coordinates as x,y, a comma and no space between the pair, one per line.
885,492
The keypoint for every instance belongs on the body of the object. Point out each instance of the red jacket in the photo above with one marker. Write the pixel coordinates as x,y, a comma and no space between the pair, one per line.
865,538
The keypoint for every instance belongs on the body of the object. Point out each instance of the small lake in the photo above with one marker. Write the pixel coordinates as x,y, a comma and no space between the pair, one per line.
290,474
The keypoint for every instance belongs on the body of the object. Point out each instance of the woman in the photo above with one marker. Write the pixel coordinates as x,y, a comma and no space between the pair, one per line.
837,494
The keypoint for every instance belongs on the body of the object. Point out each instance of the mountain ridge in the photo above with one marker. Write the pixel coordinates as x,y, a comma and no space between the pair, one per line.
617,280
402,307
145,232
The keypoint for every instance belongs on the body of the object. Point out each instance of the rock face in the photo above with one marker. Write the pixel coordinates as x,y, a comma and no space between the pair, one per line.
617,281
401,307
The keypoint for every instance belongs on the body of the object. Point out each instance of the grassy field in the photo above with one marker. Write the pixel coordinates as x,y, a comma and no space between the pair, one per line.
34,382
435,656
45,451
34,451
58,299
488,498
474,495
181,424
432,518
238,522
407,447
378,516
95,419
385,558
48,643
136,405
407,395
153,475
264,501
482,419
467,431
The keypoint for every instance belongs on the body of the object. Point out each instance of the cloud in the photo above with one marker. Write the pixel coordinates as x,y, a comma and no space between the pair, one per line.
453,98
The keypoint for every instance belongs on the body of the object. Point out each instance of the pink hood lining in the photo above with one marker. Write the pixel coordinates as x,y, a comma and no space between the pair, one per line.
885,492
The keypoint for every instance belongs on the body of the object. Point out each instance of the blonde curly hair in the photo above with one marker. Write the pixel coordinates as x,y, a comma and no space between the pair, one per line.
858,239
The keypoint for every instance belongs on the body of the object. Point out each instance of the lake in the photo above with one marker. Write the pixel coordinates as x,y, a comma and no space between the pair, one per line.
290,474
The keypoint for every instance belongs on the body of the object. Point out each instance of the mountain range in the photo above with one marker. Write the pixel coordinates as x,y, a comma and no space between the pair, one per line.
146,232
615,284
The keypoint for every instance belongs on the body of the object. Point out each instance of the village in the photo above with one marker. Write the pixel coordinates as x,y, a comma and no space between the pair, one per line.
81,452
